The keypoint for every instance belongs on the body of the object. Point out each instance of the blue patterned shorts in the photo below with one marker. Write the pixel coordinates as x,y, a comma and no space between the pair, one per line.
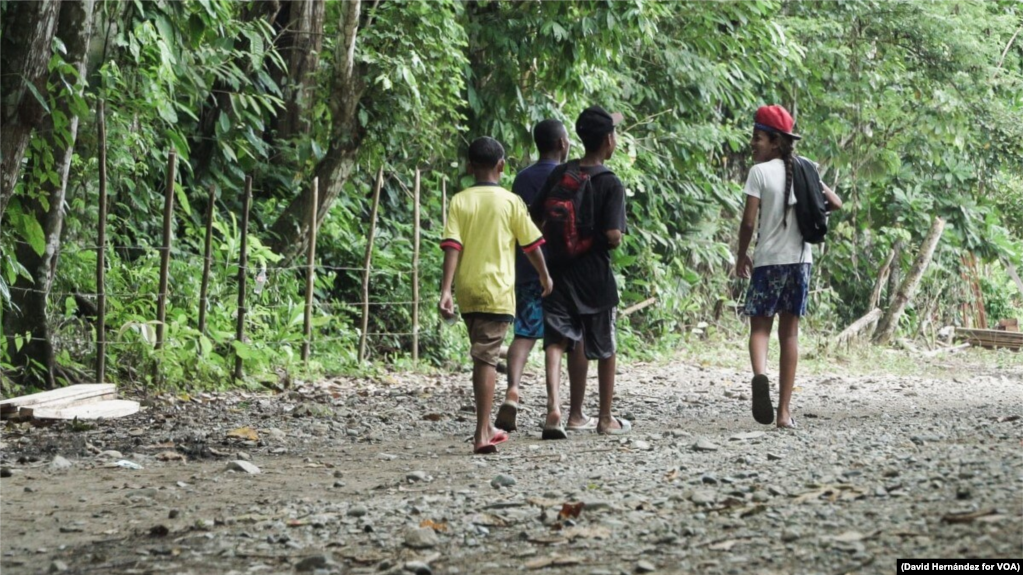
778,288
529,310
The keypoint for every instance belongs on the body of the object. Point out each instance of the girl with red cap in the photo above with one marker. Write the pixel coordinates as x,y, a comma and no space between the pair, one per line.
779,271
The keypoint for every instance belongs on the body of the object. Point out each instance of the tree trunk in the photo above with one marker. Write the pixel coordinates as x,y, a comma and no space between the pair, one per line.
24,53
28,313
300,44
290,232
895,270
204,142
886,327
882,277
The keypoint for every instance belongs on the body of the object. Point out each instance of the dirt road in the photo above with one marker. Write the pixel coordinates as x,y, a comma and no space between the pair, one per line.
376,476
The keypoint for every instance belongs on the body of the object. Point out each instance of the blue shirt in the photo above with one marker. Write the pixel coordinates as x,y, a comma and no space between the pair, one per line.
527,185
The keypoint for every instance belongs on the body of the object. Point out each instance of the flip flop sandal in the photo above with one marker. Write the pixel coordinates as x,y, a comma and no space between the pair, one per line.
499,437
506,416
554,433
763,411
485,449
590,425
626,427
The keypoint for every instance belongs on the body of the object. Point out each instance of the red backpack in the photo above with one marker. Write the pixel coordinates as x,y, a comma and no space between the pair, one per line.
568,214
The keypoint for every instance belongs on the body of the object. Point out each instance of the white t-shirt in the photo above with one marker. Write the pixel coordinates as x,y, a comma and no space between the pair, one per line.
777,244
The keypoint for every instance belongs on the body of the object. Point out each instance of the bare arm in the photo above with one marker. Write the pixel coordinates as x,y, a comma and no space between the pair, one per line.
744,265
535,257
834,202
446,305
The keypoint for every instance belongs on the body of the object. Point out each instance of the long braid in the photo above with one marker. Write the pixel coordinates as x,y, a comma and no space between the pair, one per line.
786,147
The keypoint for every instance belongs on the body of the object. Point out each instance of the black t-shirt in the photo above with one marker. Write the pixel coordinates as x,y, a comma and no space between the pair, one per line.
587,281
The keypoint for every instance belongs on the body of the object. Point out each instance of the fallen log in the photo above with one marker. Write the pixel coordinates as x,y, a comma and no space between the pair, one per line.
857,326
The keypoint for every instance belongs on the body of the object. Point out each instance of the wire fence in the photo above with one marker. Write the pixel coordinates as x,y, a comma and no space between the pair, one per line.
251,300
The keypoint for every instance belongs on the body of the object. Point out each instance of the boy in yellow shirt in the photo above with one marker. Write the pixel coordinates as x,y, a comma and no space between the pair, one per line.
485,223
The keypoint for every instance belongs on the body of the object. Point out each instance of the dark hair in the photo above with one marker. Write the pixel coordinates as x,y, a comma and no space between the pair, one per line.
485,152
786,147
592,141
546,135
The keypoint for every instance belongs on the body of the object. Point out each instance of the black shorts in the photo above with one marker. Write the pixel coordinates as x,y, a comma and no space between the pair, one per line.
563,325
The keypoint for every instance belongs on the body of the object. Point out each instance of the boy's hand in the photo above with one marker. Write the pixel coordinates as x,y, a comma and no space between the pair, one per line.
614,238
547,283
744,267
446,305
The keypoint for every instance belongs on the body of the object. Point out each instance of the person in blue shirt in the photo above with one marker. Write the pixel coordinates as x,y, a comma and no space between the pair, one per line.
551,139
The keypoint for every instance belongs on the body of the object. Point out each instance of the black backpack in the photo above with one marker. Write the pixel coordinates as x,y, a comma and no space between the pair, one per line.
811,209
568,219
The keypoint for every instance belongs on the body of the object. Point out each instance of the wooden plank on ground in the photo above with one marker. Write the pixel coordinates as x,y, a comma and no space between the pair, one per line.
100,410
85,400
991,338
65,396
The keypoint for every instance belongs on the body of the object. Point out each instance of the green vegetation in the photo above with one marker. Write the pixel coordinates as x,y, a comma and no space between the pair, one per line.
914,109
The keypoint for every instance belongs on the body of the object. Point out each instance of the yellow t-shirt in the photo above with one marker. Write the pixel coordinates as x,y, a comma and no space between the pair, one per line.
485,223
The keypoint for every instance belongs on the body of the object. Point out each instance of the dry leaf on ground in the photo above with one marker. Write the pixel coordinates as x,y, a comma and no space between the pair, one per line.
434,525
571,510
244,433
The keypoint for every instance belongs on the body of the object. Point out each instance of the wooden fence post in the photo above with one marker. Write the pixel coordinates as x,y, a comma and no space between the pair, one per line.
243,263
366,264
310,273
207,259
168,209
415,269
101,253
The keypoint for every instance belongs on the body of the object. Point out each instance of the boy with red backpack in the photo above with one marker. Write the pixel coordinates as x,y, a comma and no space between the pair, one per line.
581,211
552,143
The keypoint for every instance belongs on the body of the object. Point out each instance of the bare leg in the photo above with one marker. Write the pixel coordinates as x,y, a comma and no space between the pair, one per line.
759,335
606,385
578,365
518,353
484,376
788,336
552,361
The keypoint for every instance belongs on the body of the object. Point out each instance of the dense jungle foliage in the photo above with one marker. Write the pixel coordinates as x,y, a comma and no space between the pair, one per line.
913,109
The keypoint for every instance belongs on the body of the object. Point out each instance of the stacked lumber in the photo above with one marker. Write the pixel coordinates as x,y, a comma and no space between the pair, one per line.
82,401
991,338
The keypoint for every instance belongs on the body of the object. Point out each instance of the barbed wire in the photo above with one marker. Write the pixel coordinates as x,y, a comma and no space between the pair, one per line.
247,341
251,304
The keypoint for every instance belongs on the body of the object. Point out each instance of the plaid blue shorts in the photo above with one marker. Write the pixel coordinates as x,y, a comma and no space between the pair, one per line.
529,310
778,288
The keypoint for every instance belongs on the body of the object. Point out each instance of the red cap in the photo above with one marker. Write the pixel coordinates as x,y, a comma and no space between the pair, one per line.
775,119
